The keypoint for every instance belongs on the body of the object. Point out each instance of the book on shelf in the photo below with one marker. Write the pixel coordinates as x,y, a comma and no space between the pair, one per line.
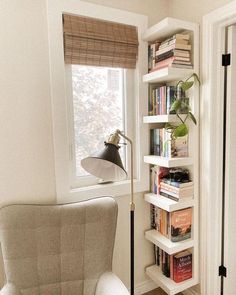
173,41
170,52
157,173
181,223
162,145
182,266
175,225
175,177
174,46
177,190
169,62
152,49
177,183
175,193
160,99
177,267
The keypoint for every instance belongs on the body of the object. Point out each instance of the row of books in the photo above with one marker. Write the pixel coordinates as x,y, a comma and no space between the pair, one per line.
160,99
162,145
177,267
174,51
173,177
175,225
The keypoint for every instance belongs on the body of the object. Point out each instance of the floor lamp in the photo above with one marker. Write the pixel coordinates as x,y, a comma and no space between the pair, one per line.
108,166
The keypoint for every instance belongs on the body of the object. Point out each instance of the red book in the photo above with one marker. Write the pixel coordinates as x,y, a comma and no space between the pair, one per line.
182,266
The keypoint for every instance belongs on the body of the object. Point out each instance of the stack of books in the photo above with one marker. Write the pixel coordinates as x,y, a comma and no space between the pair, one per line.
171,182
175,225
184,190
177,267
162,145
174,51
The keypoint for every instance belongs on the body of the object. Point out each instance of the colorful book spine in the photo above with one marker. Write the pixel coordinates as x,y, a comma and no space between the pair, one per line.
170,97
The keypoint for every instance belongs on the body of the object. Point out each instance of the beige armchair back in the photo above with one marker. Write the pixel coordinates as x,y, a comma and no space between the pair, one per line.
57,250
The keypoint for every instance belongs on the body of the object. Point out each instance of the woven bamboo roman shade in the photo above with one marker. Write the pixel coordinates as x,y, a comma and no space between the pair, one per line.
95,42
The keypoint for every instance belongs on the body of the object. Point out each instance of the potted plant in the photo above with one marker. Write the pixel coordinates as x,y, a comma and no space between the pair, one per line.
181,108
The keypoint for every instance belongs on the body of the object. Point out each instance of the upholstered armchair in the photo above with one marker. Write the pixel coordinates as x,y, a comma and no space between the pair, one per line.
61,249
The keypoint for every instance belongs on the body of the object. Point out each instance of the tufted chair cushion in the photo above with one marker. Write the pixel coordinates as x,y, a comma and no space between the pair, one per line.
60,249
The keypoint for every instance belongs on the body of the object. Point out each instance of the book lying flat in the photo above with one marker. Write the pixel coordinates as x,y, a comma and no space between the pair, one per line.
174,46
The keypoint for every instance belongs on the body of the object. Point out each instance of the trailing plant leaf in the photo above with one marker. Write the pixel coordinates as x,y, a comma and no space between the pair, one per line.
175,106
186,85
196,78
166,144
180,131
191,115
180,106
169,126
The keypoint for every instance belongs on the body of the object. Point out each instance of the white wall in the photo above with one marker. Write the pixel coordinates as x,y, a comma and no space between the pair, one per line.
26,148
155,9
193,10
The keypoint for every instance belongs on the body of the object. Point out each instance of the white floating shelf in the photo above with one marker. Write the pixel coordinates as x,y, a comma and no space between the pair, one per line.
168,285
166,28
168,204
165,244
167,74
168,162
161,119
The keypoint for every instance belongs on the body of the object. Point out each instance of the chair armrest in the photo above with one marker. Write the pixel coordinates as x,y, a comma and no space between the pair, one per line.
110,284
9,289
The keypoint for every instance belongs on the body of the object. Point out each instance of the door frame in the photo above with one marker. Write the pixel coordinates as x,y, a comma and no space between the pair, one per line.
211,144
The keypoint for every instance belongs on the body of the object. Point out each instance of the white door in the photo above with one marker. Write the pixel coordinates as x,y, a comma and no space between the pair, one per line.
230,171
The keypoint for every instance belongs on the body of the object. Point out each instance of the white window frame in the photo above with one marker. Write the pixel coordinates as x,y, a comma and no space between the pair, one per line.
60,111
129,102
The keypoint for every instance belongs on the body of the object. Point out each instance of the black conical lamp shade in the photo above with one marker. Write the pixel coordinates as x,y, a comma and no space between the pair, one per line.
106,165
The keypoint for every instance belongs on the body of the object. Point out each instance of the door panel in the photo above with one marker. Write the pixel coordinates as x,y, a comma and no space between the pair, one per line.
230,172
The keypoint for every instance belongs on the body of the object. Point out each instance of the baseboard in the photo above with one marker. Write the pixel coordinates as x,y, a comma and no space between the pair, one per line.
190,292
145,287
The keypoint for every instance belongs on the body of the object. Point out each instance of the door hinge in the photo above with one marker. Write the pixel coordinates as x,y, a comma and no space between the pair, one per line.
226,59
222,271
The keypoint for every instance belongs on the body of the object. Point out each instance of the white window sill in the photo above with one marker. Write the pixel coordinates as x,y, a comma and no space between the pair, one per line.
110,189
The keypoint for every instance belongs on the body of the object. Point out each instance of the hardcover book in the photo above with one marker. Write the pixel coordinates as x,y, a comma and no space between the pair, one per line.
182,266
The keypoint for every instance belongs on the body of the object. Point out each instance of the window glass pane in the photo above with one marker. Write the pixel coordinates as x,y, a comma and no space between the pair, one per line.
98,103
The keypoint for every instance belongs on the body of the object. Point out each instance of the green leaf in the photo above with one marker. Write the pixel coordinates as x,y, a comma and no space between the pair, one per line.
191,115
169,126
187,85
196,78
180,131
166,144
176,105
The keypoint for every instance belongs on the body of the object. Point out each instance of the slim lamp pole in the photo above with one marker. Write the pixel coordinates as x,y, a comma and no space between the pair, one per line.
107,165
132,209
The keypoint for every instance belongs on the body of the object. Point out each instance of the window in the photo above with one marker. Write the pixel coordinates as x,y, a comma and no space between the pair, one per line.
98,104
72,184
